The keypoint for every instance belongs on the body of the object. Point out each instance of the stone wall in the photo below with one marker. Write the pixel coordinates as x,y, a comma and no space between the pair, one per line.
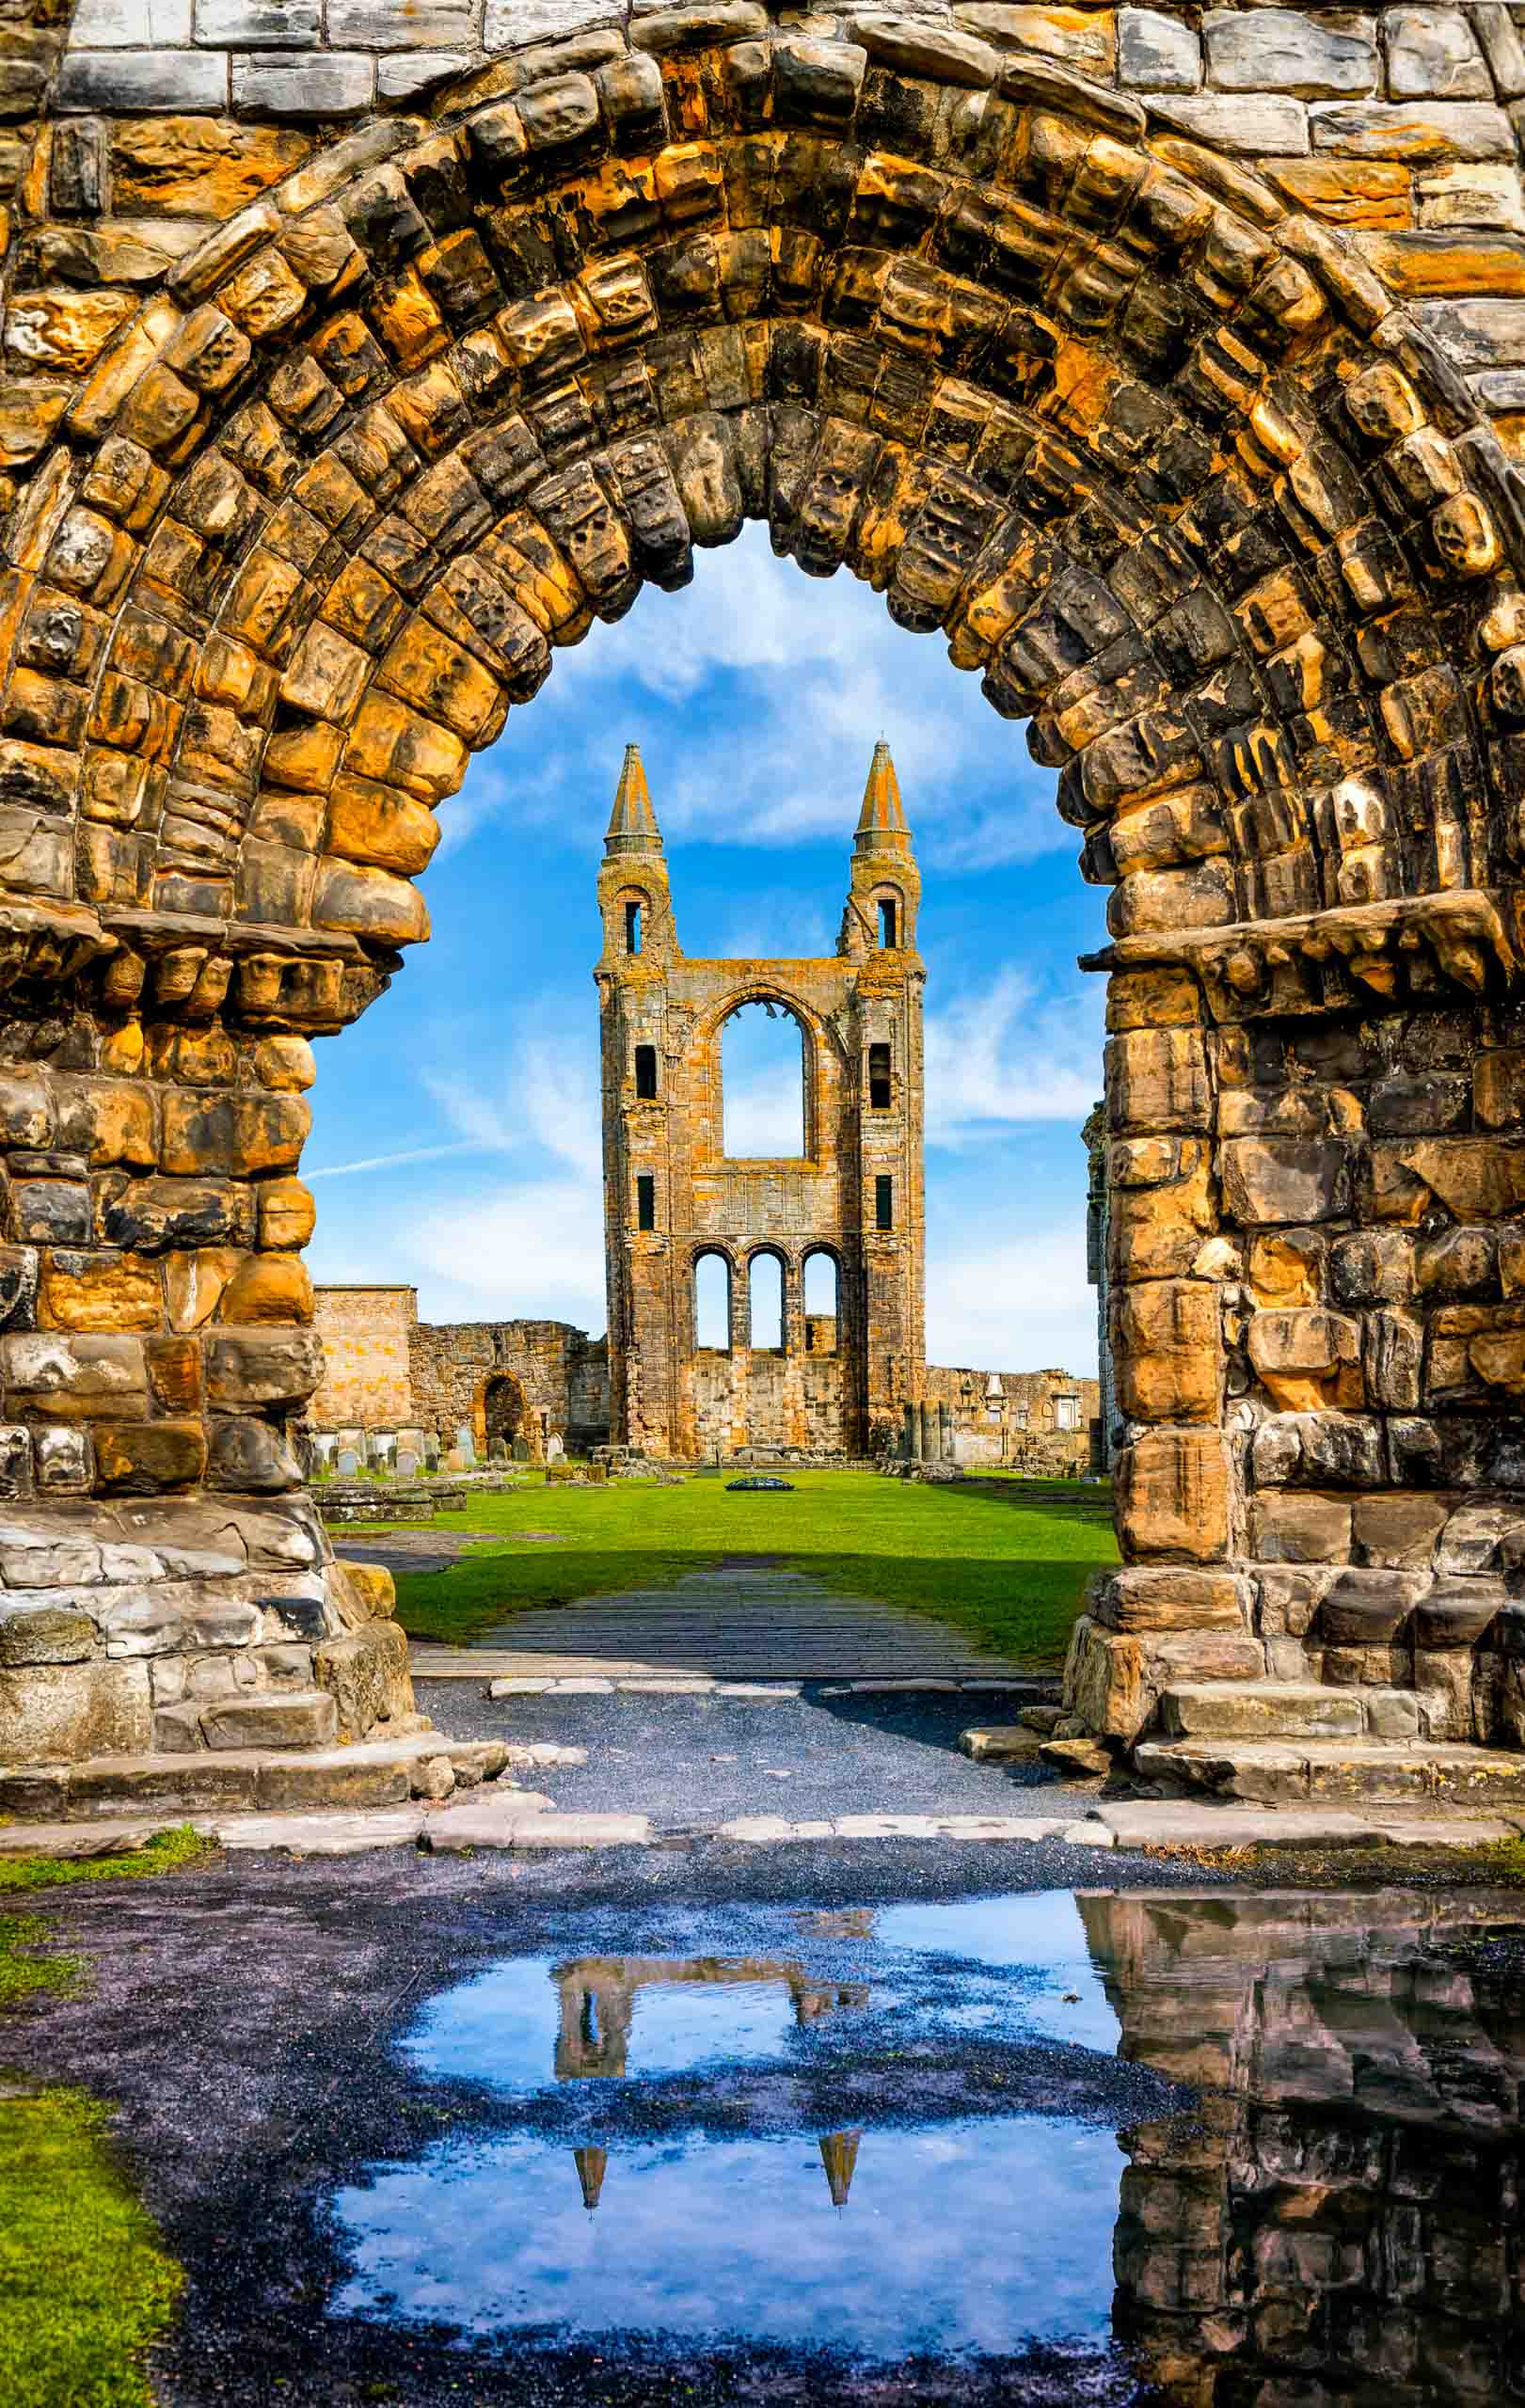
673,1196
1169,364
560,1375
1030,1421
387,1371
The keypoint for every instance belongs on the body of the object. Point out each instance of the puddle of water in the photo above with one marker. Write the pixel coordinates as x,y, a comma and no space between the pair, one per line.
961,2238
655,2166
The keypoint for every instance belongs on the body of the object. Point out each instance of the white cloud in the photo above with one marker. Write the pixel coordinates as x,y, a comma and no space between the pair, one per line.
1012,1303
1008,1055
392,1162
757,694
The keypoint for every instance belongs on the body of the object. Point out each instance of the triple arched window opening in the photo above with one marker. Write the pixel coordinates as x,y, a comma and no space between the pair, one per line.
763,1325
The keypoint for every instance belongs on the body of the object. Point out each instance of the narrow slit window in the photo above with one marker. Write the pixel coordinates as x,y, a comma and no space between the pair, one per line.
645,1072
883,1202
886,922
645,1201
879,1078
632,928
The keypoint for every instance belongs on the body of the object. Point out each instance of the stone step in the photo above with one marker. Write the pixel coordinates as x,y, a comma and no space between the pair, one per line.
273,1718
1261,1710
373,1772
1289,1771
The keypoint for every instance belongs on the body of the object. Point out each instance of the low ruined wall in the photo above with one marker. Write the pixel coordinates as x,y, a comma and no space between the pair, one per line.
1015,1418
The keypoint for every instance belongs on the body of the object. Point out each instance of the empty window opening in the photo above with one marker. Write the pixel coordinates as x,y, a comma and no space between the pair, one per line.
884,1202
886,922
879,1078
1067,1413
632,928
763,1084
645,1201
712,1303
645,1072
820,1304
765,1298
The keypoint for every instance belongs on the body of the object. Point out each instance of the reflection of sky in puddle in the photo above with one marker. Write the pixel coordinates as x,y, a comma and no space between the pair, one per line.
1041,1933
973,2236
977,2235
501,2027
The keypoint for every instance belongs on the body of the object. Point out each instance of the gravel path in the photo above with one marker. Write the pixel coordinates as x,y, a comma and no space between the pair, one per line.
695,1762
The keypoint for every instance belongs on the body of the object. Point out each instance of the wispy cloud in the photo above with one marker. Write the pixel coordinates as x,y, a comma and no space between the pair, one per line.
1012,1301
1008,1054
780,683
394,1161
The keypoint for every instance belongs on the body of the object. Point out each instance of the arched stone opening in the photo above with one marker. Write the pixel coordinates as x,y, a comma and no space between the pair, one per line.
1206,489
765,1083
505,1418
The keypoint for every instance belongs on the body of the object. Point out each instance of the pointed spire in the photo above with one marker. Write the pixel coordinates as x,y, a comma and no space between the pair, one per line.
591,2164
633,823
839,2155
882,823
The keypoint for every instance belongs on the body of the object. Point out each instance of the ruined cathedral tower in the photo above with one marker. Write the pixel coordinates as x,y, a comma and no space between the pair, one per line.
672,1197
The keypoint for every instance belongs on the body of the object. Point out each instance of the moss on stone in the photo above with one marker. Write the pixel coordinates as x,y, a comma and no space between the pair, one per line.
165,1852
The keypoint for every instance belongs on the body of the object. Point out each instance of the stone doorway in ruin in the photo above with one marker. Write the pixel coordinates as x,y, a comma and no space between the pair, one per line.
500,1411
348,392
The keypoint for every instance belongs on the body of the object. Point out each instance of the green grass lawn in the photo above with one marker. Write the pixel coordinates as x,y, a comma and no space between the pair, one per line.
86,2285
1006,1568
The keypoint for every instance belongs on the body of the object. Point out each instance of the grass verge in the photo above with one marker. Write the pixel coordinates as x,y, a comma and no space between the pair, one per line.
1003,1564
86,2285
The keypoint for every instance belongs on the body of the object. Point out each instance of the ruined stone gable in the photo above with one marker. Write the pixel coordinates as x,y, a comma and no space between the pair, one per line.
672,1198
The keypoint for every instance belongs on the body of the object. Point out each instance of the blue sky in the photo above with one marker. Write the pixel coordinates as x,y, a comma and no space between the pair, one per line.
455,1142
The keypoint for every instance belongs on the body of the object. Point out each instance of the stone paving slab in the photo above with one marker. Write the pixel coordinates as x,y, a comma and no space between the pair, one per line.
761,1624
1189,1825
524,1820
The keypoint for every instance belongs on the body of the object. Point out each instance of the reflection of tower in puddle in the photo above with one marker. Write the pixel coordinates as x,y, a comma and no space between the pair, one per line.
591,2164
598,1996
1336,2221
839,2156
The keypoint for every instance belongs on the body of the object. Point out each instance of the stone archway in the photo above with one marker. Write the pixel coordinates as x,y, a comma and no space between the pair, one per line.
501,1410
332,427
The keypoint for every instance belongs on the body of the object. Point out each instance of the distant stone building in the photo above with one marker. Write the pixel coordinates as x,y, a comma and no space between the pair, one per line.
673,1197
842,1386
403,1392
1036,1421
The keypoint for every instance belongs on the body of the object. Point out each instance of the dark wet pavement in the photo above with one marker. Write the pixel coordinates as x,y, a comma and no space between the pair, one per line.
860,2129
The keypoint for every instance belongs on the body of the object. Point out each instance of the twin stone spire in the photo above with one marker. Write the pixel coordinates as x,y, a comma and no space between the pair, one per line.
881,822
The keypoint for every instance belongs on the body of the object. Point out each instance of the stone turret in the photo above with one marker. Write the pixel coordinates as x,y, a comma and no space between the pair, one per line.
885,886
